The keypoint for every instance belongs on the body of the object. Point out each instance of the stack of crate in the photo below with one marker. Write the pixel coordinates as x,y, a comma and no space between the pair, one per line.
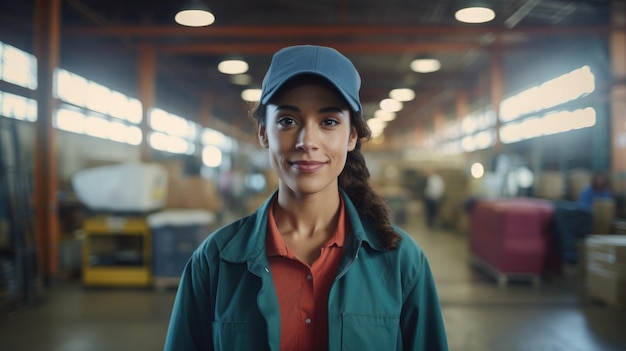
606,268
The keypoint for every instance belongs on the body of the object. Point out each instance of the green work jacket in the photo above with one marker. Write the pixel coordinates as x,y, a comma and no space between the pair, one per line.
380,299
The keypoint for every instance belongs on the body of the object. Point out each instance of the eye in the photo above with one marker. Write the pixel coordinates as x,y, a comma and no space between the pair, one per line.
286,121
329,122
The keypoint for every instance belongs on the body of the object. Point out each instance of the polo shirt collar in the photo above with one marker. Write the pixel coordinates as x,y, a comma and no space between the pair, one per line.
248,242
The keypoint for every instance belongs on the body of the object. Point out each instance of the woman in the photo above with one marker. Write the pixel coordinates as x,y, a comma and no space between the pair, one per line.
318,266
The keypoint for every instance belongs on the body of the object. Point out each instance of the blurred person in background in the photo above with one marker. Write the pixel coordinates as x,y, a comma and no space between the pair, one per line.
598,188
433,194
318,266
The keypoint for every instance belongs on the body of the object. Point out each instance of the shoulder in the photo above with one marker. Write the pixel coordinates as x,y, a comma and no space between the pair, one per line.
240,240
408,248
222,237
409,258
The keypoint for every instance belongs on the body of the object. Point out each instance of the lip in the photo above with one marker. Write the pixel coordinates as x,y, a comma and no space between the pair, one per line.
307,166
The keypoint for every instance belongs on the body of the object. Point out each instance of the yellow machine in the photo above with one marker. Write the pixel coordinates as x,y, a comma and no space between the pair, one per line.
117,251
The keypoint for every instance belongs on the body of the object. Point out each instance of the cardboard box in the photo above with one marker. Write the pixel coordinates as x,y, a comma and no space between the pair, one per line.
608,286
611,247
619,226
200,193
550,185
173,168
192,192
603,211
606,268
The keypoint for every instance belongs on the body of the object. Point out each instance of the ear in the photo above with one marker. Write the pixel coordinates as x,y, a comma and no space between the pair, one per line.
262,135
354,136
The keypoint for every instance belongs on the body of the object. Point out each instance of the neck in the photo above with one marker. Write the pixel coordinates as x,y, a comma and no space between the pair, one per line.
308,215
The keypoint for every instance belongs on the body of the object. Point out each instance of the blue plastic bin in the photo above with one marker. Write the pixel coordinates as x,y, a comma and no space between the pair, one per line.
175,235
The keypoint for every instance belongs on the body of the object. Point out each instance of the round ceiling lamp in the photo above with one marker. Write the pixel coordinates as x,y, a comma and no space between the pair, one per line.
386,116
251,95
391,105
425,65
376,125
402,94
194,14
233,66
478,13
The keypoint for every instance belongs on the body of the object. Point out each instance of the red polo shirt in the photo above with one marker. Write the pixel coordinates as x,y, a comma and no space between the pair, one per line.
302,289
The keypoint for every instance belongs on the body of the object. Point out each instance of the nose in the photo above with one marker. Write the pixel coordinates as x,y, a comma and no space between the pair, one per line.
307,138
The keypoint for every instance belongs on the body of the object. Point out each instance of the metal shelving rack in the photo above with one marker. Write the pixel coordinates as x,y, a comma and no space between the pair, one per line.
19,271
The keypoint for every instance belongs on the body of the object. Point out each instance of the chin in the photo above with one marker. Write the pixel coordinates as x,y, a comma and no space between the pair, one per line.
310,187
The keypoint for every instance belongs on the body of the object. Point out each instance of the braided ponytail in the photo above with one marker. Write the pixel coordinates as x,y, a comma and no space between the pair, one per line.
354,180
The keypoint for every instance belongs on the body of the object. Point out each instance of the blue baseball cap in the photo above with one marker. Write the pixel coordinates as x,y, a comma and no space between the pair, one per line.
318,60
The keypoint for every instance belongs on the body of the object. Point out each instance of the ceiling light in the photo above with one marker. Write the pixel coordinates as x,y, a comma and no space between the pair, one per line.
391,105
475,14
251,95
425,65
386,116
233,66
404,94
376,125
194,14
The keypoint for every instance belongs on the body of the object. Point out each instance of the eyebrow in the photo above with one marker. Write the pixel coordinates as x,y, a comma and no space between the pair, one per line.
321,110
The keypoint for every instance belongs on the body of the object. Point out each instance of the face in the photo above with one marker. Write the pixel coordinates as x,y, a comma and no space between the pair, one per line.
308,133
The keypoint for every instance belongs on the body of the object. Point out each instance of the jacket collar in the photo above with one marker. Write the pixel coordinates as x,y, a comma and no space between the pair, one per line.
248,242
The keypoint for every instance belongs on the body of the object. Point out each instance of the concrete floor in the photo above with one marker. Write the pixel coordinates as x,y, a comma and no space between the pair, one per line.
478,314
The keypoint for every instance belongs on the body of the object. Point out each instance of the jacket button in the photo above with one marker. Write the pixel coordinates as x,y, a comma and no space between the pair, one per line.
307,321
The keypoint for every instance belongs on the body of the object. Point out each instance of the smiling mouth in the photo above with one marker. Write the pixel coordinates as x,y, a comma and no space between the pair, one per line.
307,166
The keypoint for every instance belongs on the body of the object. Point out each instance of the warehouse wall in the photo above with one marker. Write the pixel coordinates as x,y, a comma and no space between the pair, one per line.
76,152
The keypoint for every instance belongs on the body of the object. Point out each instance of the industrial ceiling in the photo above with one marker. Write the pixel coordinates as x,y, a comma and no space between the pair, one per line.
100,40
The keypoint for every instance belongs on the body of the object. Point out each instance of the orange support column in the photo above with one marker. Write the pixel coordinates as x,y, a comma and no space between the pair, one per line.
618,92
418,137
438,124
461,105
497,90
46,48
147,89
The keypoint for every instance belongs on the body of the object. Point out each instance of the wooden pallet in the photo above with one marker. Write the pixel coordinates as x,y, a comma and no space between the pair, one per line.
502,278
164,283
612,304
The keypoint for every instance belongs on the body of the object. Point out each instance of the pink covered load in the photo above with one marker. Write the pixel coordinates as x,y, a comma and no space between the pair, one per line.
510,237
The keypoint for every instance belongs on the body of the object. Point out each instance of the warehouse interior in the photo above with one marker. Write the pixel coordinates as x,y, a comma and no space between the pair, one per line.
125,141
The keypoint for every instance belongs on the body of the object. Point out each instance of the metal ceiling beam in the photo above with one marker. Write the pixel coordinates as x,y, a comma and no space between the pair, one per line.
96,18
86,11
521,12
248,32
349,48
